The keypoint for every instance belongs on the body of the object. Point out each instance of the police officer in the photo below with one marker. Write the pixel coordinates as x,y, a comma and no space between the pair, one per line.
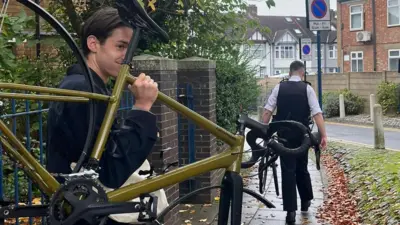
295,100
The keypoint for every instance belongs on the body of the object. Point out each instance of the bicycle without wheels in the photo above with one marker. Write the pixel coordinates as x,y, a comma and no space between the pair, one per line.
81,198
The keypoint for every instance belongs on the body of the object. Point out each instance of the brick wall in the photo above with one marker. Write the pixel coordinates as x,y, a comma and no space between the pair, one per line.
200,74
386,37
164,72
362,84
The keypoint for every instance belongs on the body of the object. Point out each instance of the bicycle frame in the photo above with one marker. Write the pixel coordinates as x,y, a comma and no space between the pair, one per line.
229,160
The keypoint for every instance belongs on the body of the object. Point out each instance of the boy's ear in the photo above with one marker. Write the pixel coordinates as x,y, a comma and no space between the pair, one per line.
92,42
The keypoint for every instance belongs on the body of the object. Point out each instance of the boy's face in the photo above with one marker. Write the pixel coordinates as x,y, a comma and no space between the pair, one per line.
110,55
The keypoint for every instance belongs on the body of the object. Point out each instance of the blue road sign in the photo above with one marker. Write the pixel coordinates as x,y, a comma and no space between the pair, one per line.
319,8
306,49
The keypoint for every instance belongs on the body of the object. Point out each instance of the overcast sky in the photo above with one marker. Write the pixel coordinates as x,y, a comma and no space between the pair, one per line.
284,7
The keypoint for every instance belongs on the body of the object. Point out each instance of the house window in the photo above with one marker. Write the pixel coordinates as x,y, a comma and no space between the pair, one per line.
393,12
284,52
357,62
332,70
394,57
288,19
332,51
255,51
263,71
356,17
322,52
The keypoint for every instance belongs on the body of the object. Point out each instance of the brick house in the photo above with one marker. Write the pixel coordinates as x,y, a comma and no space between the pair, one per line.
368,36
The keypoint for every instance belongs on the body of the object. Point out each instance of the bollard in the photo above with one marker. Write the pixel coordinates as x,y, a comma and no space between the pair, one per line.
379,135
371,106
341,106
260,113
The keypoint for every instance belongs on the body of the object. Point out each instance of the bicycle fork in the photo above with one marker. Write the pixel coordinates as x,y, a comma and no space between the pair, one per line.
231,198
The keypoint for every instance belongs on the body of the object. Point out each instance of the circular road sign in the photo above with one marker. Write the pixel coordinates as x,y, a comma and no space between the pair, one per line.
319,8
306,49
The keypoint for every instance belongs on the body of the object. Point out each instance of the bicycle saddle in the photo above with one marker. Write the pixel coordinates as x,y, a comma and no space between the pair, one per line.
132,13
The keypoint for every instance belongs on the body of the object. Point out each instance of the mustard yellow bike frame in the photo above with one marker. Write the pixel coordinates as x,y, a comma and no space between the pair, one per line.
230,160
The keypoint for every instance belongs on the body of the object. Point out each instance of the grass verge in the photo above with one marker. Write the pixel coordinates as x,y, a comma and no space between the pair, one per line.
374,179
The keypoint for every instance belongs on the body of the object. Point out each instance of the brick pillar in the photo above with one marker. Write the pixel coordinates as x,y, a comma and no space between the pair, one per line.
164,72
200,74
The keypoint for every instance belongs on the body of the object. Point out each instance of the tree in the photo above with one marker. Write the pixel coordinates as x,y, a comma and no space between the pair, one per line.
205,28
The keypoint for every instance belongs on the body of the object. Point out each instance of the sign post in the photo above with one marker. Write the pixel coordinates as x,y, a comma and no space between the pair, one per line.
305,53
319,19
306,49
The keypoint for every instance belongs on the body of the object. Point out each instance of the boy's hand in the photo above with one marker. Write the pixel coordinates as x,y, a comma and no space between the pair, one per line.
145,91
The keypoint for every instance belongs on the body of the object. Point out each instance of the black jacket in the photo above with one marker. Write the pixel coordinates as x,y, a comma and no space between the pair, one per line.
67,127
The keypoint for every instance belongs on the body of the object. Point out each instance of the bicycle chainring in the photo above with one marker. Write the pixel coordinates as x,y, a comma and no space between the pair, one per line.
67,205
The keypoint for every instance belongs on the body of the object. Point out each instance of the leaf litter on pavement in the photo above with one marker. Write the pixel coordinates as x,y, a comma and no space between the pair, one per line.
364,186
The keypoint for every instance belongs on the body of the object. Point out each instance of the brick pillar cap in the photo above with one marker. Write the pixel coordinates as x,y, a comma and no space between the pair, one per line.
196,63
153,63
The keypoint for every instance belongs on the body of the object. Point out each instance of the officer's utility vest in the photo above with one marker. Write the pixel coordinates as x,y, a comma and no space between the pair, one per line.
292,102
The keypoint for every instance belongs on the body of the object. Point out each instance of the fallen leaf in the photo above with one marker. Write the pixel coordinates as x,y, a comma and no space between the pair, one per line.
183,210
203,220
216,198
192,211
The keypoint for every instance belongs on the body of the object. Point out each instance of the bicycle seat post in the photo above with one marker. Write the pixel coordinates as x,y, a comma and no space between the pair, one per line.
132,46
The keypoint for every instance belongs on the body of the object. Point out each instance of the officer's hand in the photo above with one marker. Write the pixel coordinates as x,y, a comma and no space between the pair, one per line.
145,91
324,141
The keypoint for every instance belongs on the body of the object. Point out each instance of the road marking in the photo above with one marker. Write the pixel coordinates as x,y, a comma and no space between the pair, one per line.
357,143
361,126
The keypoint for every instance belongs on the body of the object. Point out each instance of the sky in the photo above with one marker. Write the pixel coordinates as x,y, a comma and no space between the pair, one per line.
284,7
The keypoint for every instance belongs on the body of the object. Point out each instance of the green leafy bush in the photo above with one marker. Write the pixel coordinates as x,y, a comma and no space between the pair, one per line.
330,101
237,89
388,96
353,103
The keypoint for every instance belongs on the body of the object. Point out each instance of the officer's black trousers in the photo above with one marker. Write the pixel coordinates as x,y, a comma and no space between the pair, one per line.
294,172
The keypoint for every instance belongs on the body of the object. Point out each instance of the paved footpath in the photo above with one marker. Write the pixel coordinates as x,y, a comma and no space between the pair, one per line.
255,213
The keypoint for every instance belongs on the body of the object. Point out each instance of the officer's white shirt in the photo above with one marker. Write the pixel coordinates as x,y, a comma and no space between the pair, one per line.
312,98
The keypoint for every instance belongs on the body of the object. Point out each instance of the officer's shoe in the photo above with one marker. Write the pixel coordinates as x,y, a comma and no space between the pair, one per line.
305,205
291,217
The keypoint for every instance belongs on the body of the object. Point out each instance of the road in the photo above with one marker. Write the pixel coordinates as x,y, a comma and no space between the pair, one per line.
362,135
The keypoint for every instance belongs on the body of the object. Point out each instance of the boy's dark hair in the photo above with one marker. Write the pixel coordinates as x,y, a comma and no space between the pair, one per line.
296,65
101,24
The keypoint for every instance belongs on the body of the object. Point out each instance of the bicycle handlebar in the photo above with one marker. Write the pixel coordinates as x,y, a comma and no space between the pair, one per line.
265,132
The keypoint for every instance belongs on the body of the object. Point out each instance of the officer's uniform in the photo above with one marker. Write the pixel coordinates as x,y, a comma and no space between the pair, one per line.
294,100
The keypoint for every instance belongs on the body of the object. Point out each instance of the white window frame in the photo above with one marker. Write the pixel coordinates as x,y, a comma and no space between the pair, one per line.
392,57
351,60
263,71
279,49
334,50
362,17
387,12
255,51
316,51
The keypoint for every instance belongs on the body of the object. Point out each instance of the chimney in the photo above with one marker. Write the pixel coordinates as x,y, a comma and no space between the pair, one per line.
252,10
